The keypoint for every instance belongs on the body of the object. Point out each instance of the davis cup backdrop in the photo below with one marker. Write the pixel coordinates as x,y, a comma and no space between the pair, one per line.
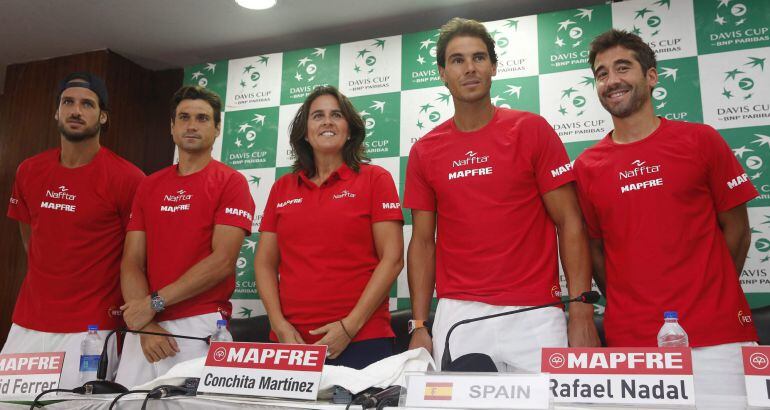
713,61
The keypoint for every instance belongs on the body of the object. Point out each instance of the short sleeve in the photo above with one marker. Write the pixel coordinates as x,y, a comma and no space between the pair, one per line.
730,185
385,205
418,194
136,217
586,205
17,204
236,206
126,193
550,162
269,217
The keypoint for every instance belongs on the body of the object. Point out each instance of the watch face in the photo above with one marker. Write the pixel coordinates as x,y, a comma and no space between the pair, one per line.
410,326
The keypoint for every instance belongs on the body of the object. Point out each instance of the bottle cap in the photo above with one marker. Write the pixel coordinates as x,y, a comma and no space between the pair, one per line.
221,322
93,327
670,314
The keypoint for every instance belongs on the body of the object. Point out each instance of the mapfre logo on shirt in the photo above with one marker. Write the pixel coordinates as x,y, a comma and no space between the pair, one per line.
640,169
239,212
60,199
288,202
344,194
471,159
172,202
561,170
739,180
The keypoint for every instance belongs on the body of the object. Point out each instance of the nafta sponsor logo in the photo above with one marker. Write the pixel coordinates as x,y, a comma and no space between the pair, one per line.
640,168
181,195
470,159
744,319
344,194
365,67
391,205
438,391
61,194
289,202
238,212
560,170
569,35
202,75
250,80
758,361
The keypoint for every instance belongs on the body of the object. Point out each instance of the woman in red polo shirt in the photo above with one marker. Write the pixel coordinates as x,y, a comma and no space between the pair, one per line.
333,229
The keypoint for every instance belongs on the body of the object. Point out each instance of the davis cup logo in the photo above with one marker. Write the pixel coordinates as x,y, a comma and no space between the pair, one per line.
739,83
427,51
246,134
201,76
758,361
501,40
366,58
730,14
557,360
250,76
369,121
307,68
429,114
750,158
570,32
573,100
220,354
647,22
659,93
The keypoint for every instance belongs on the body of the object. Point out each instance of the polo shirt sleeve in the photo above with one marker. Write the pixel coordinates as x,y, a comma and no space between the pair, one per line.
730,185
136,217
550,162
589,212
269,221
125,194
17,205
236,206
385,205
418,194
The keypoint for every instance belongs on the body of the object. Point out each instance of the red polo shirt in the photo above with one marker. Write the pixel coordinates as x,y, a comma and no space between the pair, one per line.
327,247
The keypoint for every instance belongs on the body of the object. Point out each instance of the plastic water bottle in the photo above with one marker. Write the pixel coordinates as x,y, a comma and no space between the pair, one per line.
671,333
90,353
222,334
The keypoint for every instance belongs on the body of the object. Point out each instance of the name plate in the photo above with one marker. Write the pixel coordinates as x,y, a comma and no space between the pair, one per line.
288,371
638,376
28,374
477,390
756,367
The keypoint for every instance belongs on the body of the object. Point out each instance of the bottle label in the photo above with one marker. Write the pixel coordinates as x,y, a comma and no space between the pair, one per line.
89,363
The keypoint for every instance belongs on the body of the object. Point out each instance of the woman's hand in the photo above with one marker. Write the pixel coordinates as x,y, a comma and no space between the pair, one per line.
287,333
336,337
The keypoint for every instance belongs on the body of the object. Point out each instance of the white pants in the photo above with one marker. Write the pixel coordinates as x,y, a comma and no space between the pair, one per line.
513,342
135,369
23,340
718,370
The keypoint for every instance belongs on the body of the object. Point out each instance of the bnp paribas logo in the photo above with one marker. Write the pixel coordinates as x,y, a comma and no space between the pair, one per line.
211,75
381,123
740,82
732,24
250,138
304,70
429,113
570,32
573,98
648,19
251,74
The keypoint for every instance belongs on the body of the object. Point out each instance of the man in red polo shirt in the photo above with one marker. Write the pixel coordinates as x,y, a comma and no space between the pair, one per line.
72,204
187,225
665,205
496,183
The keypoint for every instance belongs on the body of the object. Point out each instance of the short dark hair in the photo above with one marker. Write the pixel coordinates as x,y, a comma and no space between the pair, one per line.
353,150
460,27
194,92
612,38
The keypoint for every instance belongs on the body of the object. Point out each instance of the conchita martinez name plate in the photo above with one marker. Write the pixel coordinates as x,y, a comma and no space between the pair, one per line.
28,374
638,376
289,371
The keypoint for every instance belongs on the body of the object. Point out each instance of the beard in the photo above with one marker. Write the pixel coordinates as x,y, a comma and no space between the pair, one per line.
636,98
78,136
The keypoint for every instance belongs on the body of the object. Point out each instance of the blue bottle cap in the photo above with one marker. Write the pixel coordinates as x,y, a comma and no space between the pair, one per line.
93,327
670,314
221,322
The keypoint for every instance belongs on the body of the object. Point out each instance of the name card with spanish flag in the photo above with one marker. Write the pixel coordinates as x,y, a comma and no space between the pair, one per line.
289,371
756,367
477,390
28,374
640,376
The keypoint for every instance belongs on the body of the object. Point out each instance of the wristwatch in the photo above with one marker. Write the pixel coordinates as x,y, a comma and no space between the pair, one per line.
157,303
413,325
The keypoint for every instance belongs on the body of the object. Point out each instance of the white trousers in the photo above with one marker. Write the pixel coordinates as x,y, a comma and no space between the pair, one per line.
134,368
513,342
718,370
23,340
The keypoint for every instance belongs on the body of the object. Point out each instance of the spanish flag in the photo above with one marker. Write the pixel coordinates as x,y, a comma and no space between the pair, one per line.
438,391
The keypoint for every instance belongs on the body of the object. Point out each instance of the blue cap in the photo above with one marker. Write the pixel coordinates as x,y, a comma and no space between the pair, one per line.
670,314
87,80
221,322
93,327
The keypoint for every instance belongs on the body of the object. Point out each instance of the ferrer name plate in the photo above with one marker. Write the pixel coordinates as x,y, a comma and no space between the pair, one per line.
28,374
642,376
289,371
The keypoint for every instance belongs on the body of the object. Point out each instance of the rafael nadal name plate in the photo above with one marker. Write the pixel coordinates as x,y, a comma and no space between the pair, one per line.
28,374
288,371
638,376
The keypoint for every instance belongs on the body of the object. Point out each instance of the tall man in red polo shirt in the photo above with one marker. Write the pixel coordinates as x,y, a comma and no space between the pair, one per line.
665,205
72,204
187,225
497,185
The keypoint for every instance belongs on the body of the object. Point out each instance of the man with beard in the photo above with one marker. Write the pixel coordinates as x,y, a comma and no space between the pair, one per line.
187,226
665,206
489,189
73,205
